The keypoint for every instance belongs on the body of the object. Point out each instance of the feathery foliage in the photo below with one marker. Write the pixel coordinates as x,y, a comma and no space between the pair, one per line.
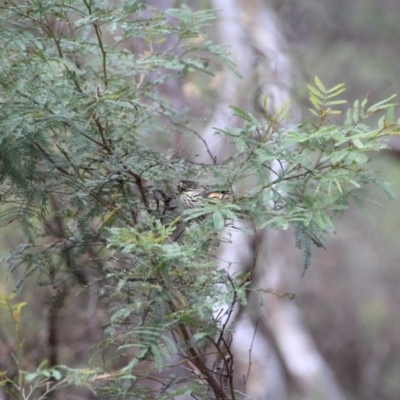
84,113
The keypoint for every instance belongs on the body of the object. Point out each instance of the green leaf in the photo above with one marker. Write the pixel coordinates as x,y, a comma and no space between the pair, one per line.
56,374
338,156
390,114
338,185
244,115
336,91
335,102
320,85
358,143
338,88
218,220
382,105
333,112
315,101
315,91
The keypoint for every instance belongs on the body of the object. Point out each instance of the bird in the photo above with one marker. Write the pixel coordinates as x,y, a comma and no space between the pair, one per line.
192,194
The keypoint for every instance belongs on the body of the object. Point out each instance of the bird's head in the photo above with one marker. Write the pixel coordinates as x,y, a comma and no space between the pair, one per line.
183,186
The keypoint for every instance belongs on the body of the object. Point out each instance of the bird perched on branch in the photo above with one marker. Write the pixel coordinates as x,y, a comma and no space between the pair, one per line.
192,194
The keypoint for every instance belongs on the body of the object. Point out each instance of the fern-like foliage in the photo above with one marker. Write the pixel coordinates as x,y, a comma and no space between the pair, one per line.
82,119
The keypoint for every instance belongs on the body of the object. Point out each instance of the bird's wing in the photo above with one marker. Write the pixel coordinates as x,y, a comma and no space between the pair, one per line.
219,195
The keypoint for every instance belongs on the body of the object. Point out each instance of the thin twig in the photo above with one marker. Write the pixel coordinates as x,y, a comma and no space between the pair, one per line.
213,158
250,350
47,155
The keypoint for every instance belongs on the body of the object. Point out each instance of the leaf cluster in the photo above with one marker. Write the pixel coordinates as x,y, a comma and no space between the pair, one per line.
82,119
